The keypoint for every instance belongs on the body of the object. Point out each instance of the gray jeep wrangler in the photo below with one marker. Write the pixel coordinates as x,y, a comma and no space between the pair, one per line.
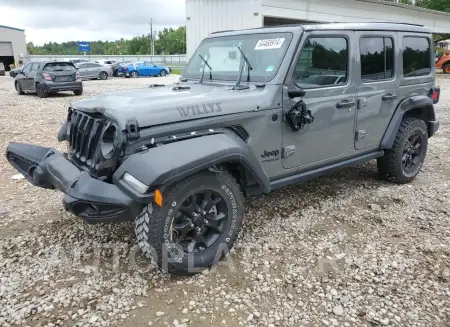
255,110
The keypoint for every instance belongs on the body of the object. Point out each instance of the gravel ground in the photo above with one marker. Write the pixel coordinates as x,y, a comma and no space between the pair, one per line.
342,250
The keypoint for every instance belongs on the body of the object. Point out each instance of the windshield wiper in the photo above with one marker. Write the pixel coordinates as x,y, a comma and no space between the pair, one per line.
203,71
238,85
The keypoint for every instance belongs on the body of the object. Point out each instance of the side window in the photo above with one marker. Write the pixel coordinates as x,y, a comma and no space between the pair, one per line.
416,56
377,58
323,61
35,67
27,68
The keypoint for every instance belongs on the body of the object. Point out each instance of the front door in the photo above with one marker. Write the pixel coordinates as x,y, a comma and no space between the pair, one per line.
324,69
378,86
26,80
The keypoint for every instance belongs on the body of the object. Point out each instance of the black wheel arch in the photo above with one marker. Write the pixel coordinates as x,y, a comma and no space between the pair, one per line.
156,167
420,107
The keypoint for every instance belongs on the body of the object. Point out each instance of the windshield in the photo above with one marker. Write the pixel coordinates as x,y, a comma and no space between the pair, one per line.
265,53
58,66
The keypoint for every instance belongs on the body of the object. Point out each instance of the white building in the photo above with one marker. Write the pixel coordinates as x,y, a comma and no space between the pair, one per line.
206,16
13,46
445,44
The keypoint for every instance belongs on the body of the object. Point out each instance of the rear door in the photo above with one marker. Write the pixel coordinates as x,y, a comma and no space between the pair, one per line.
32,75
378,83
24,79
96,69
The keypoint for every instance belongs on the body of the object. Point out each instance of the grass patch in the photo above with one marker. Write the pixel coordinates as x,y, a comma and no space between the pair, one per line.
176,71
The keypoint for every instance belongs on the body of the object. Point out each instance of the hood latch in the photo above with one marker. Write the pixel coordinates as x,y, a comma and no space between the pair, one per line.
132,129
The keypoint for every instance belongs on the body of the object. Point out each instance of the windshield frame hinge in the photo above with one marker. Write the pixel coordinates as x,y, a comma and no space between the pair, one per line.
132,129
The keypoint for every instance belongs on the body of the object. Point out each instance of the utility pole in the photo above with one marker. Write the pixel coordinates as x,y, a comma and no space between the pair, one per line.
152,44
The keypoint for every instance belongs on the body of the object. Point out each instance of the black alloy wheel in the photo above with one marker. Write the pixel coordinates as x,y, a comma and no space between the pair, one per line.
199,221
412,152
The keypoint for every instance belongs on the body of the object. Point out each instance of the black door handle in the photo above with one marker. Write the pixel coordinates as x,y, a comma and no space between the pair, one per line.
345,104
388,97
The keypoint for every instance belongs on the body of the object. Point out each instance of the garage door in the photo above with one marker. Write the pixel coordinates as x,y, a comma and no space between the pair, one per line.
6,49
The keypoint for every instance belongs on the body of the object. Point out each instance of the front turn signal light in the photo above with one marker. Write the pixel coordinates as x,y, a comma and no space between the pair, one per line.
158,198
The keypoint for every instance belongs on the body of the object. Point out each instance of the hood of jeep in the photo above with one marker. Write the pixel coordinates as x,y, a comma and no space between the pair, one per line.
164,104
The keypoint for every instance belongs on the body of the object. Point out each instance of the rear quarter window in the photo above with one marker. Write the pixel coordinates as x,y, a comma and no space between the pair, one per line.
416,56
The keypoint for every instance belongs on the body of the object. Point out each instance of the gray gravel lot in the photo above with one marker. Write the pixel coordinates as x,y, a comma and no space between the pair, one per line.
342,250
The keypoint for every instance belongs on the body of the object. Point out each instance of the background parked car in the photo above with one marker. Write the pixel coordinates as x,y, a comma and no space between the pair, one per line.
142,68
114,64
45,77
76,60
14,72
115,67
2,69
92,70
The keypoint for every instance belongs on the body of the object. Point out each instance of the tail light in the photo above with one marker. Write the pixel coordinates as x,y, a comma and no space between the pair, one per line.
78,77
47,76
436,94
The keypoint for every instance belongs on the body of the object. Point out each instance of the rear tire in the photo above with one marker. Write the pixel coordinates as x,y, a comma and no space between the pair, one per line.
41,93
402,163
134,74
78,92
103,75
446,69
19,88
197,225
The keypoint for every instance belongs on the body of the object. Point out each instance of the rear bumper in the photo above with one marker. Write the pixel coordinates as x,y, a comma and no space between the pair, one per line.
86,197
63,86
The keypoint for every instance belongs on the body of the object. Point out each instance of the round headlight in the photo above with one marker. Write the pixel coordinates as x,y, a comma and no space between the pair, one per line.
109,141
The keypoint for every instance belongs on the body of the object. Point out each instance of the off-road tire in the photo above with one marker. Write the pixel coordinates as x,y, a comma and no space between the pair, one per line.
40,92
446,69
78,92
153,225
19,89
390,165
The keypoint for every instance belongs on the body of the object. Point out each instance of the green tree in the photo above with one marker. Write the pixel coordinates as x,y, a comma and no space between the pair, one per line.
441,5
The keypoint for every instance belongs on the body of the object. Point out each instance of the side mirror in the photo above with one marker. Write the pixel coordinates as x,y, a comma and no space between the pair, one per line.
295,92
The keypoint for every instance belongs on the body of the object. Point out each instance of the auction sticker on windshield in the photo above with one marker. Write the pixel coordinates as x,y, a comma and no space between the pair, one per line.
269,44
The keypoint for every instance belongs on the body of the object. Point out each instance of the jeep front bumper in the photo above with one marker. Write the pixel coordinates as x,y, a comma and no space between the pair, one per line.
85,196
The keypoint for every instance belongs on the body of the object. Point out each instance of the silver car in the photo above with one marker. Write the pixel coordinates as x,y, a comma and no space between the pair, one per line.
91,70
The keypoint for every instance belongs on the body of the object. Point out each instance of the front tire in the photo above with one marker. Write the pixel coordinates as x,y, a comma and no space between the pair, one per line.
197,225
19,89
163,73
134,74
402,163
78,92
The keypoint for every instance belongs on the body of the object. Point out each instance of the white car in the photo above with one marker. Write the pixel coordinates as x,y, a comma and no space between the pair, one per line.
107,62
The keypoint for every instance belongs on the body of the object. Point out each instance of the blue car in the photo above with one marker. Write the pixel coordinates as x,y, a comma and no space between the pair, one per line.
142,68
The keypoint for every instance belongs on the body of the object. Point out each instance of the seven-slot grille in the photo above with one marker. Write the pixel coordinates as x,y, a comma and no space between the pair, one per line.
85,133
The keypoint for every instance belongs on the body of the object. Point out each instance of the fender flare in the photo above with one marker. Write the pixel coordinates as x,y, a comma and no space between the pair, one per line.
405,106
164,165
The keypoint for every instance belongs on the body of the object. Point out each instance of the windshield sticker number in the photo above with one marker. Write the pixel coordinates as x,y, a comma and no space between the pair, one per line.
269,44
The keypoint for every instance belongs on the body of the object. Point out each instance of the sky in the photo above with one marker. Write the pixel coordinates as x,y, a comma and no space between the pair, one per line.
89,20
